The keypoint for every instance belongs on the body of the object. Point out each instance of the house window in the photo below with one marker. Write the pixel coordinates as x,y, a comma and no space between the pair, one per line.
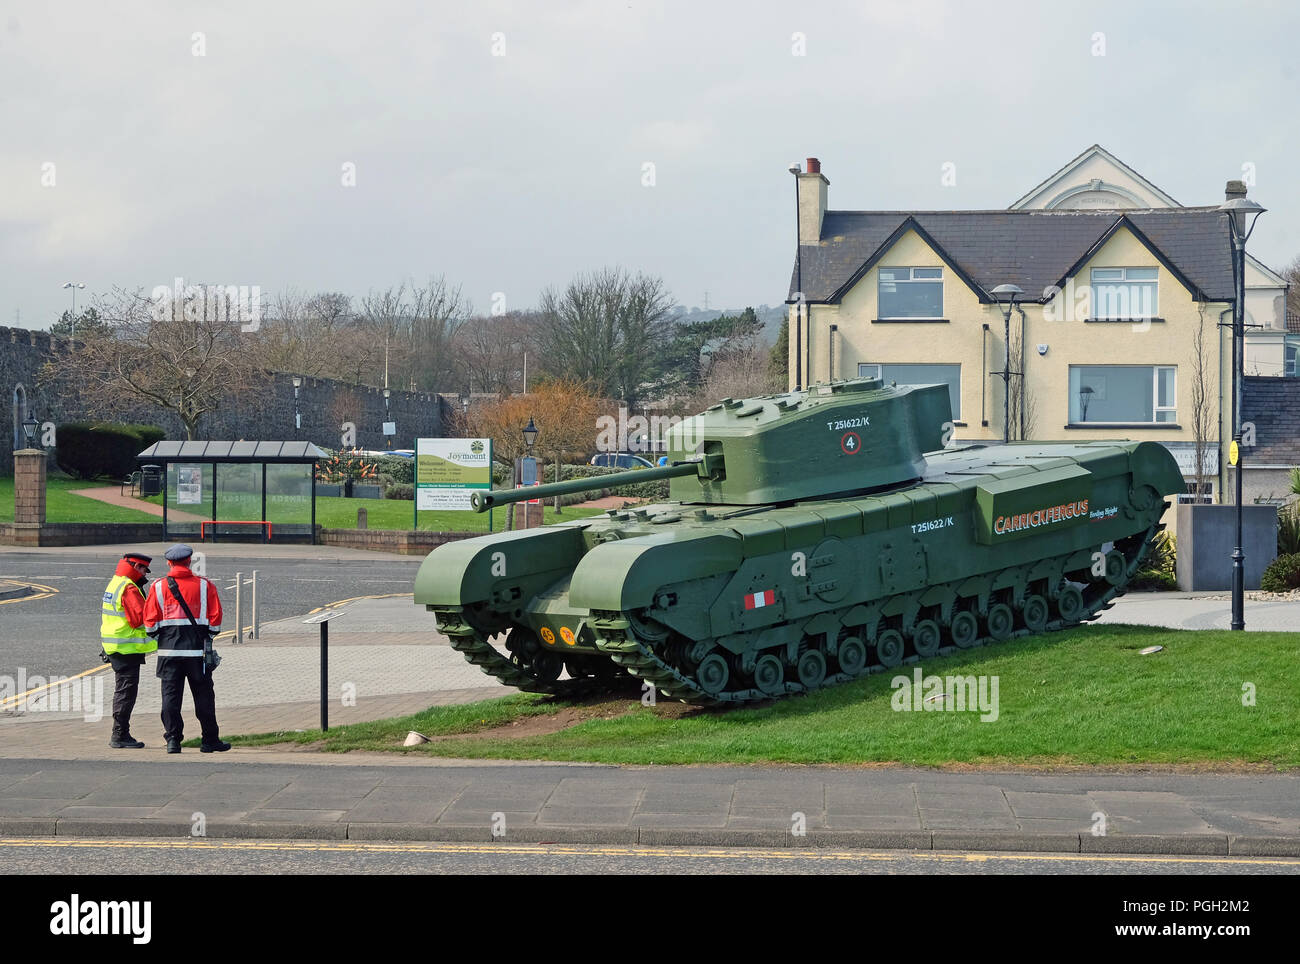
1122,394
1124,294
910,293
949,375
1290,365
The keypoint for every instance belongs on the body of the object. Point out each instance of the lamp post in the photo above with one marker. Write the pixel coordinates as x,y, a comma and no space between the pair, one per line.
1007,294
1242,215
798,286
74,285
297,415
388,439
30,425
464,414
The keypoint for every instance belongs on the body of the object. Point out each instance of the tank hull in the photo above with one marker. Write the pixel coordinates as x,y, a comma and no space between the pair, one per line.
729,604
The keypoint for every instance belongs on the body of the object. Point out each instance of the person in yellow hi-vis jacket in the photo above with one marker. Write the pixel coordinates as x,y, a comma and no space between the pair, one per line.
122,634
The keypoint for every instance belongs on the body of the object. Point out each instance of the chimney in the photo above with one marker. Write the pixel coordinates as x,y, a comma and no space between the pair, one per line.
812,201
1233,190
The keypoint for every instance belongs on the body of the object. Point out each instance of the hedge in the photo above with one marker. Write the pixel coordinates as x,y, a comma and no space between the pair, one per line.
87,450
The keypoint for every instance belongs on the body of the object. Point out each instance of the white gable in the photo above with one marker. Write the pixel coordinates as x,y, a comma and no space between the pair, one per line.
1096,179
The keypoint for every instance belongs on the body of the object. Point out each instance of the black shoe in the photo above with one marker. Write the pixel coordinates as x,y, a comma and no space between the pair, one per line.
173,746
125,743
221,746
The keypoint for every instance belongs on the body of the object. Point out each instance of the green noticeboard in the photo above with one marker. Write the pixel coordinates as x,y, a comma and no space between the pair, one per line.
448,470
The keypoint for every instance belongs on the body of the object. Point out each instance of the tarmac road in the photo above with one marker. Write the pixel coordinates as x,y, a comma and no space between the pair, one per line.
59,634
135,856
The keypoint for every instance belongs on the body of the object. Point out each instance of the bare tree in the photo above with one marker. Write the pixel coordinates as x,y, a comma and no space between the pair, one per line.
742,372
307,335
1202,402
182,356
1023,406
609,330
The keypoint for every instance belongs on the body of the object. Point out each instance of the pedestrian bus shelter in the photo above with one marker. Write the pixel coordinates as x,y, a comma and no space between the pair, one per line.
237,491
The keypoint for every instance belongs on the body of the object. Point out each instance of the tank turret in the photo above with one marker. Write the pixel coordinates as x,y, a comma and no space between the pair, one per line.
844,437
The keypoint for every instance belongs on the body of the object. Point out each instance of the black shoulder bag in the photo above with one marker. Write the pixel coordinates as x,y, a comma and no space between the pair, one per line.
211,658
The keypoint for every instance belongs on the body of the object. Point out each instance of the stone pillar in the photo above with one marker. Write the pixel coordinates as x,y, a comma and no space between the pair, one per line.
527,516
29,486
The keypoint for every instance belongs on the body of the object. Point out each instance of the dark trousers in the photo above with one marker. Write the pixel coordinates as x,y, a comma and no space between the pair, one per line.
174,671
126,669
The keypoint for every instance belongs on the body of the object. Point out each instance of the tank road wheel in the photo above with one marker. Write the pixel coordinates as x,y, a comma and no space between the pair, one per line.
769,675
1070,604
1036,613
965,630
1116,568
889,647
713,674
548,666
852,655
1000,621
811,668
926,638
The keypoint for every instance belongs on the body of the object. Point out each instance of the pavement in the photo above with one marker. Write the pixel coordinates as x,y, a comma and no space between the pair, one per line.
112,495
59,777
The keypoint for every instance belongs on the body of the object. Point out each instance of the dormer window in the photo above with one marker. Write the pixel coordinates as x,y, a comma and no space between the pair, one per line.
910,293
1124,294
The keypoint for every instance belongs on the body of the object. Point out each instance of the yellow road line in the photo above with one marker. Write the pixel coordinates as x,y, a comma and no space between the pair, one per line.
46,592
13,700
352,599
739,853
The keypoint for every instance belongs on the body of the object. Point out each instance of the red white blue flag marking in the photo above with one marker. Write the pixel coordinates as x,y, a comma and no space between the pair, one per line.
757,600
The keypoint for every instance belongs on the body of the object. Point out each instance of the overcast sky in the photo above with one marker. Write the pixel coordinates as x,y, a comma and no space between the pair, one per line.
504,145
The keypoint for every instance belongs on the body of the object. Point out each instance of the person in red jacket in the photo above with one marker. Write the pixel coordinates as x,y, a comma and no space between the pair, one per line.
182,638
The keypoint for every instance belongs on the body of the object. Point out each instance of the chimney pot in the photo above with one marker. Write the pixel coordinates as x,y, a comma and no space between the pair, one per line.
1234,189
814,166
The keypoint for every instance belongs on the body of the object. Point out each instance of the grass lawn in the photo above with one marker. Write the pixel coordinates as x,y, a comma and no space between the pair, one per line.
339,513
62,506
1083,696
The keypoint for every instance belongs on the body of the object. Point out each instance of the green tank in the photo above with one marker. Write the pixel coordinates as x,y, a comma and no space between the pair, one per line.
811,538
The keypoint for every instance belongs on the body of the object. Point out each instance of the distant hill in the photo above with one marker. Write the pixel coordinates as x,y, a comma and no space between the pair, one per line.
770,315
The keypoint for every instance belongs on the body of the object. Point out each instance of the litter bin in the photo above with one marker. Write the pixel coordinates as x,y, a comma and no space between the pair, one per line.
151,480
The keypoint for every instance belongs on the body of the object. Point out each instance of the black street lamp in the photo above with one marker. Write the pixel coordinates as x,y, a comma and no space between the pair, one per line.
388,439
798,285
30,425
1007,294
1242,215
530,435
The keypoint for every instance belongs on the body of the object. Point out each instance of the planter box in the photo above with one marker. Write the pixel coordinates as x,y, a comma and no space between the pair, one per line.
367,492
326,490
1206,537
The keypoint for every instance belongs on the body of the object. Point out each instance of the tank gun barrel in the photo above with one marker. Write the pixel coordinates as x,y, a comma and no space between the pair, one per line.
482,501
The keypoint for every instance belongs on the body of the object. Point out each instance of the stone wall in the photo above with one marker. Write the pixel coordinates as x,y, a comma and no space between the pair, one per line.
390,540
264,413
80,533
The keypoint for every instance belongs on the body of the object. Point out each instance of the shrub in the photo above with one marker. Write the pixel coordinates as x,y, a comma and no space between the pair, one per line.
400,491
87,450
1282,574
1288,529
400,470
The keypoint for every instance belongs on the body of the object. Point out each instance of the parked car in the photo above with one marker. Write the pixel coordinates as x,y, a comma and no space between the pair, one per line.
619,460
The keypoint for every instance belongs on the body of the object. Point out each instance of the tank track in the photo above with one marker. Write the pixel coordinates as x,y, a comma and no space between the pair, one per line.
668,667
521,669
